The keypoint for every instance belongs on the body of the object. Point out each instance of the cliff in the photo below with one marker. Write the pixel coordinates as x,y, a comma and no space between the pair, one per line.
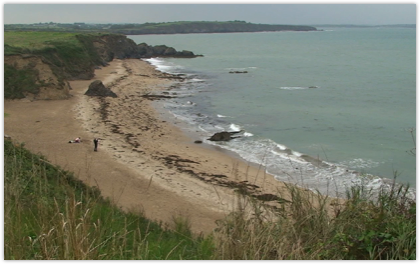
33,77
43,72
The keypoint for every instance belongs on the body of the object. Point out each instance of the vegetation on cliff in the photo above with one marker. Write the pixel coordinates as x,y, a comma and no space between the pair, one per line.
17,83
30,55
68,56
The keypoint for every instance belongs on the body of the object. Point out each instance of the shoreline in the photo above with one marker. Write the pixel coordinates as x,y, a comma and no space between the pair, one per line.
200,152
345,176
144,163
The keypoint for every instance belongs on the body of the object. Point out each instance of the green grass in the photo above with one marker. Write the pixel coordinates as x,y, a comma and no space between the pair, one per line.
37,40
49,214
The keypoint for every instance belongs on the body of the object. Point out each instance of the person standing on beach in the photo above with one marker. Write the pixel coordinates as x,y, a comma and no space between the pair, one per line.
95,142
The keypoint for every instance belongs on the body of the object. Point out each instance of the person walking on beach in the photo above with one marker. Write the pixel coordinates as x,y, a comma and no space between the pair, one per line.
95,142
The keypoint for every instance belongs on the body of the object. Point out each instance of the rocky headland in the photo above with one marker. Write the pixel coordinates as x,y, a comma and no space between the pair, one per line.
47,71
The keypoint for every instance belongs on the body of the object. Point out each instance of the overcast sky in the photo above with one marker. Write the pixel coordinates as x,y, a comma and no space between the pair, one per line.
271,13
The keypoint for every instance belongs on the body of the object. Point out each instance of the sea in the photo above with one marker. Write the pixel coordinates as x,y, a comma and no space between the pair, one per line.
326,110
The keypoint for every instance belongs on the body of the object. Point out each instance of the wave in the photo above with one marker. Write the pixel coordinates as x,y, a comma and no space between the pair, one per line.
241,68
235,127
359,163
163,65
298,87
196,80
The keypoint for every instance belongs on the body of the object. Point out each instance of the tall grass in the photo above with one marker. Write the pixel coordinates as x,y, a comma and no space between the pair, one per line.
48,214
311,227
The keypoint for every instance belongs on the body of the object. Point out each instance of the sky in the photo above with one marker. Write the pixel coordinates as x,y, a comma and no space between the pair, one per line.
15,12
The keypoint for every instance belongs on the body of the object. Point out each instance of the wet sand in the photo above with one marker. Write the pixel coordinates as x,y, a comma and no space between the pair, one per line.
144,163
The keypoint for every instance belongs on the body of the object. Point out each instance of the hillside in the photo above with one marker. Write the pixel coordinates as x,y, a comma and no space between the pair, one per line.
187,27
180,27
38,65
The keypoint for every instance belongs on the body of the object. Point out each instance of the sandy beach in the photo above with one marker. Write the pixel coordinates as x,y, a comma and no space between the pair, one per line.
144,163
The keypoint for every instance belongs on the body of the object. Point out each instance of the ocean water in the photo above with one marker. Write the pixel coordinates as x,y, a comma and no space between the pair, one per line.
326,109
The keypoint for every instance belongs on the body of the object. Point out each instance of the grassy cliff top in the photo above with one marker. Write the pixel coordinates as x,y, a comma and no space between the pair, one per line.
36,39
42,39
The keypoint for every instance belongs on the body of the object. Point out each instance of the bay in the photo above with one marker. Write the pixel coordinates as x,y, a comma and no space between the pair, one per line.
344,96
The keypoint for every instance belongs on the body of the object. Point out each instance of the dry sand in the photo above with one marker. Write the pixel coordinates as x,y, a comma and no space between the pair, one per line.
143,162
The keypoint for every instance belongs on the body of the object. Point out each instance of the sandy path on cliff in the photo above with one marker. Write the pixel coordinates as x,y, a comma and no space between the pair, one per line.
144,162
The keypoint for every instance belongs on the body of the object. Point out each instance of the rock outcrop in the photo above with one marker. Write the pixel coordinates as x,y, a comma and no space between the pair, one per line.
97,88
223,136
148,51
113,46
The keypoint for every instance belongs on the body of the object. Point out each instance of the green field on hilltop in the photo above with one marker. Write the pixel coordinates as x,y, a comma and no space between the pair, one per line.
37,39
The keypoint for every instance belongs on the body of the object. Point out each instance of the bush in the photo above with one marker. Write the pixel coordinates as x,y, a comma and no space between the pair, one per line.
19,82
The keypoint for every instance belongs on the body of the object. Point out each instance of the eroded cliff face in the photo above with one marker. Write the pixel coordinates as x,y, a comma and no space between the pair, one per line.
51,87
51,78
